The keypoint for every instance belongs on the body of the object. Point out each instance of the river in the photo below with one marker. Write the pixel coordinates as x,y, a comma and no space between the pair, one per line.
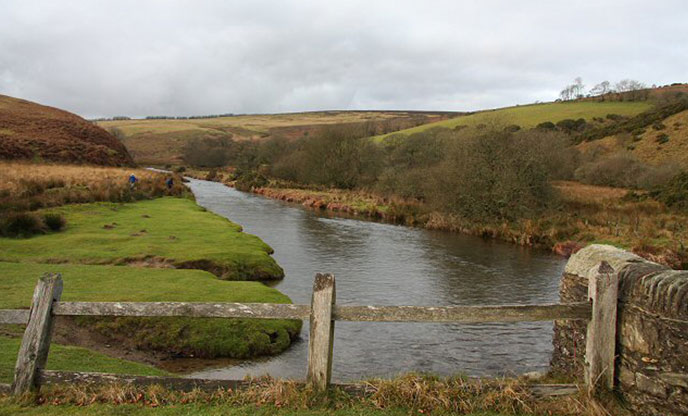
383,264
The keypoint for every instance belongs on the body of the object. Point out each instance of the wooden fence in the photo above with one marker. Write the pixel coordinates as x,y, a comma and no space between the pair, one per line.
30,373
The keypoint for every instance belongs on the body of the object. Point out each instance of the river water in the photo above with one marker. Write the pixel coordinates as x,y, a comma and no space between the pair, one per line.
383,264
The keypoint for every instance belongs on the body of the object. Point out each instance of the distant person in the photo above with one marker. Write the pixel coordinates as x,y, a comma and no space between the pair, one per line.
132,181
170,183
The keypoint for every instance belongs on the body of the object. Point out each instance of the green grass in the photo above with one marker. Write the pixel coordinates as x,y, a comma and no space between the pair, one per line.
68,358
173,229
528,116
207,337
134,284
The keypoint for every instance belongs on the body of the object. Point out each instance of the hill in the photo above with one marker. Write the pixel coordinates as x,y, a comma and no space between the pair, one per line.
527,116
660,143
33,131
160,141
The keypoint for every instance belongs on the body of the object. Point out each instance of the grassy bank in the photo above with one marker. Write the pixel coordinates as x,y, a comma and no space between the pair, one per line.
68,358
585,214
197,337
163,231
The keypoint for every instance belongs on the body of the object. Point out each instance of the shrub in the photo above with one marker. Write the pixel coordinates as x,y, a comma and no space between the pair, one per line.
21,224
570,125
662,138
547,125
658,125
674,193
494,175
512,128
54,222
614,117
250,180
619,170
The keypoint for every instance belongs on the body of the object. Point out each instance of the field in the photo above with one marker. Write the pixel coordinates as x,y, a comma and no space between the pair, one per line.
161,141
160,232
527,116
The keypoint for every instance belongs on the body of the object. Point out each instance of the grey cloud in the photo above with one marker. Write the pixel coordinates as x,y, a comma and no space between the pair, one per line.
198,57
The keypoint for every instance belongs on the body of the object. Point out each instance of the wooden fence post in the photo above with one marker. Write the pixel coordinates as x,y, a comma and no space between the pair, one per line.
603,286
35,344
321,339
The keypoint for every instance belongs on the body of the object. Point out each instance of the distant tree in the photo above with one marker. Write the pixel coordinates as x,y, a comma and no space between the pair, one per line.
602,88
578,87
567,93
626,85
573,91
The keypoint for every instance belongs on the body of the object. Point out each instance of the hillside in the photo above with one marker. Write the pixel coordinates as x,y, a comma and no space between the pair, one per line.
32,131
527,116
659,144
160,141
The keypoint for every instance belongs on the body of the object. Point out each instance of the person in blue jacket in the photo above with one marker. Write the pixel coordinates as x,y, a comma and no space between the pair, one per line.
132,181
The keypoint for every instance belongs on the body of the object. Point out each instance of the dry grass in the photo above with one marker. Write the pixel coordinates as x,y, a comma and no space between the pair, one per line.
29,186
646,147
418,394
578,192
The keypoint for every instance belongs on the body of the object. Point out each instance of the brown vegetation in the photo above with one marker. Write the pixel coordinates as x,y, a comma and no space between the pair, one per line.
419,394
30,186
32,131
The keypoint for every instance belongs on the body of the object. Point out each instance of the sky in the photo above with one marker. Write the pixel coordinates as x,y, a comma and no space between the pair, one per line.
138,58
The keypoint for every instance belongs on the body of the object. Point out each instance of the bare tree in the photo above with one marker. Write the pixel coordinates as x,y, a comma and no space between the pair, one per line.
626,85
602,88
578,87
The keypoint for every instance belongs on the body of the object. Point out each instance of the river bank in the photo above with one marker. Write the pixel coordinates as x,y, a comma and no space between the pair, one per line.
583,214
144,247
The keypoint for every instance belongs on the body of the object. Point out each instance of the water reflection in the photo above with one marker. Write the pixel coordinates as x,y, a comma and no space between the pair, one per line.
392,265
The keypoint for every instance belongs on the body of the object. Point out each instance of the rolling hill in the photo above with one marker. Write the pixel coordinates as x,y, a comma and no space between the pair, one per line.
160,141
527,116
33,131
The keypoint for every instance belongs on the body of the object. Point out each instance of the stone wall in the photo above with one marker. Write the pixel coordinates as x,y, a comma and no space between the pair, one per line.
652,329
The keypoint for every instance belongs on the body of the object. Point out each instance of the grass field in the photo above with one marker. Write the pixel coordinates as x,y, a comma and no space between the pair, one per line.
201,337
172,231
68,358
531,115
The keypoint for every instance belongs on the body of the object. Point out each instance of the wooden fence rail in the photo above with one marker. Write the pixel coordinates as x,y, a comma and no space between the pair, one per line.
600,312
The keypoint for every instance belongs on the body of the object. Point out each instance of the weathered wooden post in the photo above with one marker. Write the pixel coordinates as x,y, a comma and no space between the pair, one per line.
35,344
322,332
603,287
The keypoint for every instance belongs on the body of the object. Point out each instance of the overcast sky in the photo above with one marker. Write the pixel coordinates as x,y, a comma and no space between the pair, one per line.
137,58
